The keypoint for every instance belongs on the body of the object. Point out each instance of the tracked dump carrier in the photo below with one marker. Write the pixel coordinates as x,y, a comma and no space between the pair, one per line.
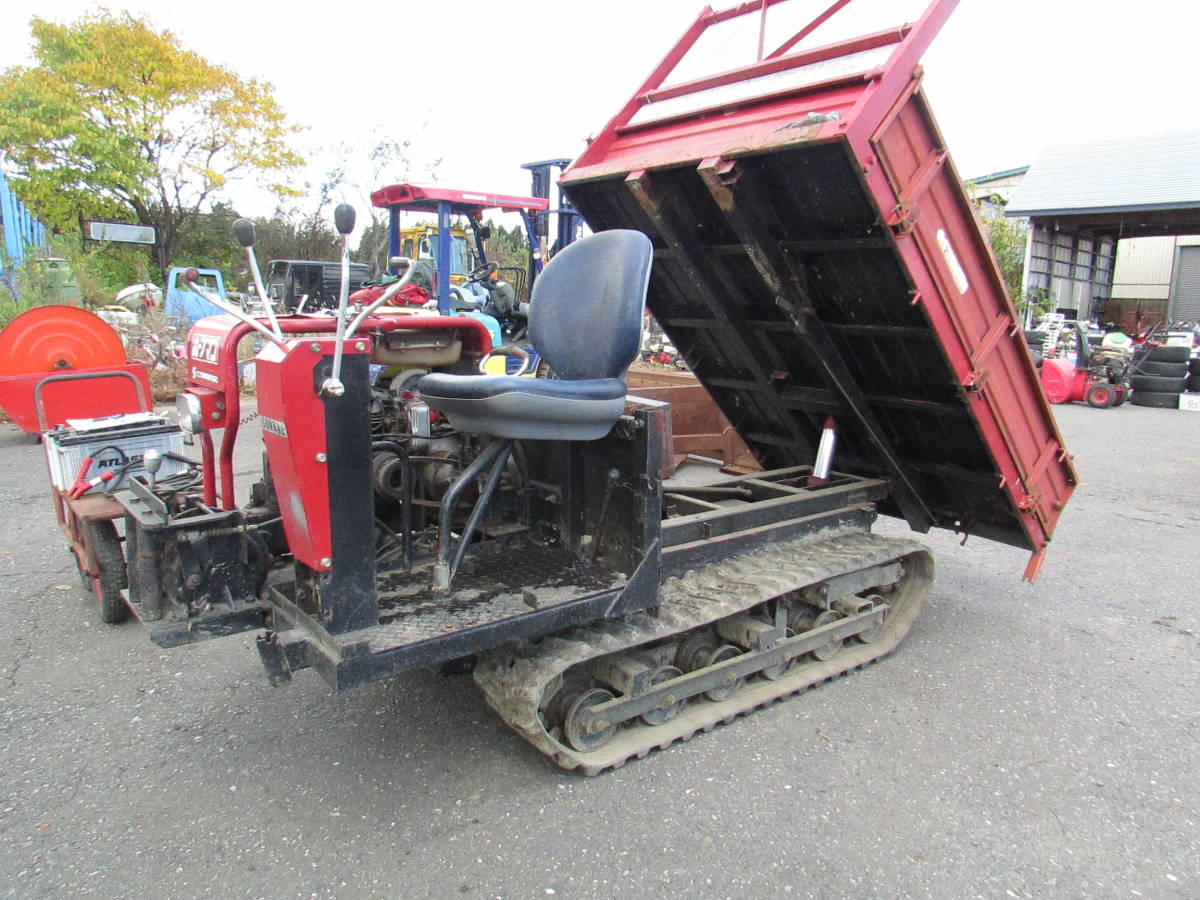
793,221
815,257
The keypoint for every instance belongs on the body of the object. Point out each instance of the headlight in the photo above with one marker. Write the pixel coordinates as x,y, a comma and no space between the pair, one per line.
191,417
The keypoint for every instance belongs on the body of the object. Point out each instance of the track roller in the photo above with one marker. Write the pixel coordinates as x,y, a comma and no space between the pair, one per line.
596,696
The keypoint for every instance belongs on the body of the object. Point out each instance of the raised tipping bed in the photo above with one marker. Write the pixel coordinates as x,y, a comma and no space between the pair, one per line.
816,255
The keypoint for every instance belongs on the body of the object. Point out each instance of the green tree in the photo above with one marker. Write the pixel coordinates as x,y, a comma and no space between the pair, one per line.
508,248
1007,238
117,119
208,241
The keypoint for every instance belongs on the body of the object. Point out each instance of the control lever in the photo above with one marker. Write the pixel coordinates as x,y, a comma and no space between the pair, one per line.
243,230
189,279
152,461
343,220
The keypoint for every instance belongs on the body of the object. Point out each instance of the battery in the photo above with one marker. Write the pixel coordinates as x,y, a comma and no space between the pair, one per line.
111,446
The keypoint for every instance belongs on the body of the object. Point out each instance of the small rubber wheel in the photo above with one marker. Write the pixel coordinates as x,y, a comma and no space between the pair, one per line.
1159,401
727,690
831,647
575,727
1120,397
1100,395
1158,384
111,580
671,710
1163,353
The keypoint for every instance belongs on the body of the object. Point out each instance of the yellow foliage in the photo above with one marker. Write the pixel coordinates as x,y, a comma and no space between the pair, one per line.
118,118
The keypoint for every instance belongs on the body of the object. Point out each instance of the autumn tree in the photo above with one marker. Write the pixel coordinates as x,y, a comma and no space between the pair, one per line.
119,120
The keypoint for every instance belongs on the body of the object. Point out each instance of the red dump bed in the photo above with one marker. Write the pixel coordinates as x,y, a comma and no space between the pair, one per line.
816,256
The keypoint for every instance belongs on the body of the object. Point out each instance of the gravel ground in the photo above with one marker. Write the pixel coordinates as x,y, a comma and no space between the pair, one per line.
1025,741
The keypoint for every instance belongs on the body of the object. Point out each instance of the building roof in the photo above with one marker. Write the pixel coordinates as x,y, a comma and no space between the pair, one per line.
1158,172
997,176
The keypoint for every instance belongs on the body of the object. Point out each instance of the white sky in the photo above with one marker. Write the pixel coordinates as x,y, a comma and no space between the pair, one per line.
487,86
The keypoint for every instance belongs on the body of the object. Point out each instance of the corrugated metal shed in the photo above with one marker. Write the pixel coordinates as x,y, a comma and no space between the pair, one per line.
1159,172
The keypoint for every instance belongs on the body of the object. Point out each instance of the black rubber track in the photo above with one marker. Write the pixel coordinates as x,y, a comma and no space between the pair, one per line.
1150,398
1169,369
1157,384
1163,353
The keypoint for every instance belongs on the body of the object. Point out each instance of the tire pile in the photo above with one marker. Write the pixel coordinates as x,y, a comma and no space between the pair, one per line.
1162,375
1036,342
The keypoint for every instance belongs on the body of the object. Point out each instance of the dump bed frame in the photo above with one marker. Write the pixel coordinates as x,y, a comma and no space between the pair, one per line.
816,255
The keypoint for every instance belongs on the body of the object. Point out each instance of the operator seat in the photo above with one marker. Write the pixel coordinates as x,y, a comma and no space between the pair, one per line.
585,320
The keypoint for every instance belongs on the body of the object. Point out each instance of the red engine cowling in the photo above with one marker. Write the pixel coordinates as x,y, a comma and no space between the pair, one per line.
1062,382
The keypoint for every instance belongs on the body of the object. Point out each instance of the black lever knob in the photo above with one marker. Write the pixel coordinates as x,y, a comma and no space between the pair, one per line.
343,218
243,230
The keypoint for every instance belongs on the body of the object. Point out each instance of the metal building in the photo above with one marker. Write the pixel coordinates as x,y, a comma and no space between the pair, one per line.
1082,199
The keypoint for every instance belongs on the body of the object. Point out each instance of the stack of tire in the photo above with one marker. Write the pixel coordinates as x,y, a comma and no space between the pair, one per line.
1161,376
1036,342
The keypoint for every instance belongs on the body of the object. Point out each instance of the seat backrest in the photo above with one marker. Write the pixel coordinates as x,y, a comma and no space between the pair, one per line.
585,314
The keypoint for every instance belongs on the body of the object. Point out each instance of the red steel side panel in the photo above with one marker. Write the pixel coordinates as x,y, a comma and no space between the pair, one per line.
962,292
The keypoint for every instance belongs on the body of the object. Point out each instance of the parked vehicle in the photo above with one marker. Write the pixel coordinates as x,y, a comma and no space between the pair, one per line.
304,285
816,258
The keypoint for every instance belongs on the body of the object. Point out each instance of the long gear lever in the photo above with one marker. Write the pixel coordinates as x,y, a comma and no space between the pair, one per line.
243,230
343,220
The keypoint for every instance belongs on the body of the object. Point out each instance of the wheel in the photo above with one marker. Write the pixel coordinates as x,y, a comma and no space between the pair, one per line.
872,634
482,273
727,690
1100,395
1160,401
663,713
1193,383
1120,397
694,650
571,687
831,646
576,726
1157,384
1169,369
777,671
1163,353
111,580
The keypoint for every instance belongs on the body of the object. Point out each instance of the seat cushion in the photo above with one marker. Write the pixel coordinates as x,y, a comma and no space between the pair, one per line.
508,406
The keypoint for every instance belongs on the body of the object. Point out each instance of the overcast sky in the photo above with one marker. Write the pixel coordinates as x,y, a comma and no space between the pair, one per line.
486,86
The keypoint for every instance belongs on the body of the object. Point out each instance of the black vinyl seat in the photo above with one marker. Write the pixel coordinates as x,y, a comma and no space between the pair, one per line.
586,322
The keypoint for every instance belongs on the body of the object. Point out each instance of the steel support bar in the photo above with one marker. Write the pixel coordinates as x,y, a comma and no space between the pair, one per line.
746,208
667,693
492,460
444,247
698,270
